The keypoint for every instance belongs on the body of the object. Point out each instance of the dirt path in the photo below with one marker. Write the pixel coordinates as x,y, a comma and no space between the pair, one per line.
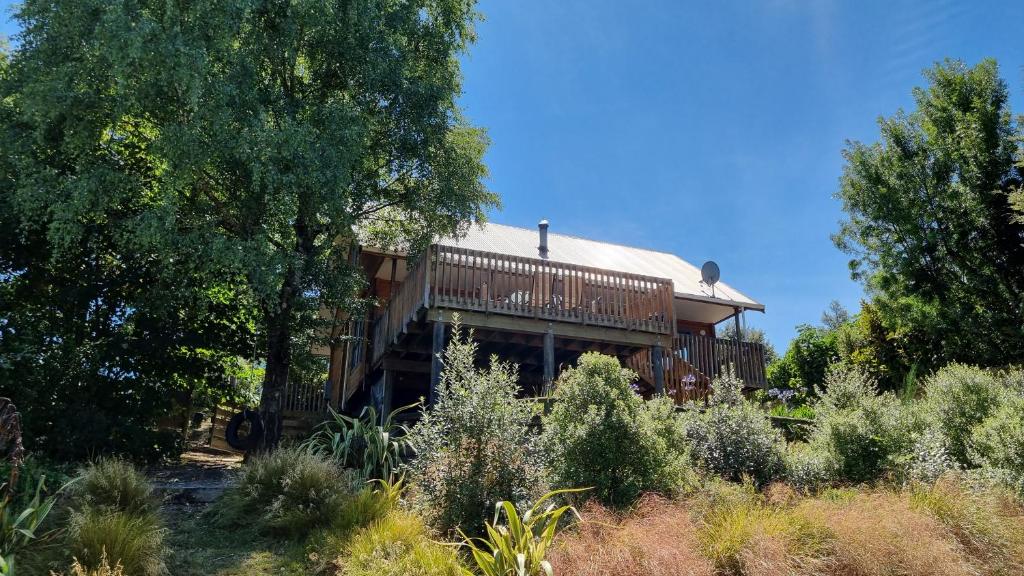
197,479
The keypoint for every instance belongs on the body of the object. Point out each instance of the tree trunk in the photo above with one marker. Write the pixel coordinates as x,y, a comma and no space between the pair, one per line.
275,379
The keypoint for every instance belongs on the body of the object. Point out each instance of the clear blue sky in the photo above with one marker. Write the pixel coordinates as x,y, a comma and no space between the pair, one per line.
709,129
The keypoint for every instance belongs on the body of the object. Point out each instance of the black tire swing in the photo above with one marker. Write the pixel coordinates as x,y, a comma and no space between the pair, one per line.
246,441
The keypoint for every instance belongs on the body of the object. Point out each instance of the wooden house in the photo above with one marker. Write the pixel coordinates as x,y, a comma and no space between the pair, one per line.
539,299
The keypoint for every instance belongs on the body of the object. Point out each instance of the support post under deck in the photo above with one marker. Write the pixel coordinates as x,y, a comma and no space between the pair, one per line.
549,366
658,367
435,361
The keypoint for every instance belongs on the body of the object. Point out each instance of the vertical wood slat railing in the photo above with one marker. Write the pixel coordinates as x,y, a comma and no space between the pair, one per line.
693,361
403,306
304,397
487,282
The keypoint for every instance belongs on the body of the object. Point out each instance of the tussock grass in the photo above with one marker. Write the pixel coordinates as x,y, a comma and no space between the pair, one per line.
657,538
113,484
989,526
103,569
289,491
750,537
881,534
133,541
398,544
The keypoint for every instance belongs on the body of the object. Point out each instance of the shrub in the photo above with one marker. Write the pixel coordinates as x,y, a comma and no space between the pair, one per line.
990,529
601,434
957,398
398,545
133,541
867,434
733,437
809,467
880,534
113,484
364,443
998,441
623,542
289,490
474,446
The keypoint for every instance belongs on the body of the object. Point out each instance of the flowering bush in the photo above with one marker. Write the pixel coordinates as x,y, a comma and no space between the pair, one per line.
959,397
601,434
866,434
733,437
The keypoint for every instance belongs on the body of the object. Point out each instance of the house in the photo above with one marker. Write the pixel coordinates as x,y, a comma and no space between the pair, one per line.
539,299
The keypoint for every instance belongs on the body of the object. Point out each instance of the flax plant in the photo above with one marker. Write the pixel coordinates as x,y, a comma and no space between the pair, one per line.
519,546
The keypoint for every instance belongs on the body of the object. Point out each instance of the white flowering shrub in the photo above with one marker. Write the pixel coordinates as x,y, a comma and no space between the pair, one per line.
808,467
474,445
998,442
958,398
601,434
867,434
733,437
930,458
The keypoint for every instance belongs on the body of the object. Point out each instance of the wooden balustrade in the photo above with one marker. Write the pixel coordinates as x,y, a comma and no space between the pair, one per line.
693,361
406,301
304,397
534,288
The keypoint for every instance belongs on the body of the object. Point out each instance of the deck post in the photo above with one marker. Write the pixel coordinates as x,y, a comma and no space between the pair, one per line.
658,366
386,394
739,344
549,365
435,361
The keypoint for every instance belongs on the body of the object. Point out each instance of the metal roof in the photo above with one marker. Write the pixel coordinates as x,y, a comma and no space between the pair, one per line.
523,242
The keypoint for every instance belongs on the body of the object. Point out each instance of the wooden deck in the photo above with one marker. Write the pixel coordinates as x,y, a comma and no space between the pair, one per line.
495,284
693,361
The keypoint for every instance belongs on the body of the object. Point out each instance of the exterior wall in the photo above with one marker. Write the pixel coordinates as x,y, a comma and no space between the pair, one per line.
695,328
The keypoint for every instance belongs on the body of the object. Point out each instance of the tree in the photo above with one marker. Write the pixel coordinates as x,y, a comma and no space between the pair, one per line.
752,335
265,136
930,221
835,316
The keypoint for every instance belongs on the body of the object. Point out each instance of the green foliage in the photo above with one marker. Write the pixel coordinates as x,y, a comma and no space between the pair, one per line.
958,398
398,545
809,467
601,434
733,437
805,361
998,441
133,541
289,490
21,526
868,434
113,485
930,226
179,178
519,545
363,443
474,445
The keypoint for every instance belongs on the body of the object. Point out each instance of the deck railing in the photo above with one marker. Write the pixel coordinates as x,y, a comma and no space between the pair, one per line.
304,397
472,280
693,361
535,288
402,308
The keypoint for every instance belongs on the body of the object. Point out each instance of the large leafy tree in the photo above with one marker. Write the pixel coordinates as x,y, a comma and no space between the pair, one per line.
255,139
931,223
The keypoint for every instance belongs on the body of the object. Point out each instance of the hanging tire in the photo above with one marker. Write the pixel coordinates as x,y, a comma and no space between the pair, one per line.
236,434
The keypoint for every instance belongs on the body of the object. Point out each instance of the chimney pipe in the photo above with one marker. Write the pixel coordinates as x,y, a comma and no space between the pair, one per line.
543,248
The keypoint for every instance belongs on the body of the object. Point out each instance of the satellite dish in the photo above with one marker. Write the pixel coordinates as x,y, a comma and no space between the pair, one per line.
710,273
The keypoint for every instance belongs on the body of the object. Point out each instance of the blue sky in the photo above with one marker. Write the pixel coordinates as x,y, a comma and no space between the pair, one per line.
709,129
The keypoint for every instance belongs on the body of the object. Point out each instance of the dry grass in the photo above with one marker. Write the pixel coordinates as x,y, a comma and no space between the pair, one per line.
989,525
751,537
881,534
658,538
